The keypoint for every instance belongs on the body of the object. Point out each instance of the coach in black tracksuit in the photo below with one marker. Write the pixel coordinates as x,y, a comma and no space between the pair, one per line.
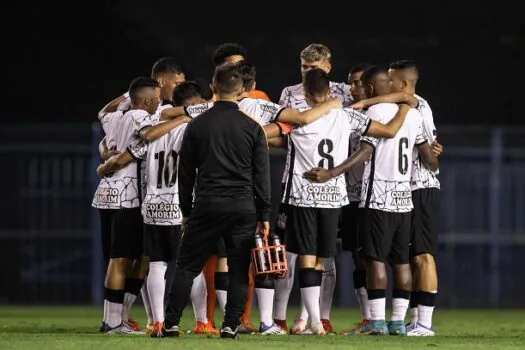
224,154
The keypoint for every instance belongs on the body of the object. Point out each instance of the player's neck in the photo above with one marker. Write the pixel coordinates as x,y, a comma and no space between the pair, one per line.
410,90
228,98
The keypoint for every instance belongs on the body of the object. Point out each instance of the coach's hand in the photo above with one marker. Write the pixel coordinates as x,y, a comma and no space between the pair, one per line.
437,149
318,175
263,227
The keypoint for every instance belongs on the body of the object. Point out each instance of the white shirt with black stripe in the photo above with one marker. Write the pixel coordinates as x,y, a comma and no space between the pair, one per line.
386,178
422,177
323,143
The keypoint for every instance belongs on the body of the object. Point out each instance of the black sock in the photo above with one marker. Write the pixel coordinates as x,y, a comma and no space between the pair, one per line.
359,279
401,294
265,284
222,281
114,296
309,277
133,286
376,294
426,299
414,299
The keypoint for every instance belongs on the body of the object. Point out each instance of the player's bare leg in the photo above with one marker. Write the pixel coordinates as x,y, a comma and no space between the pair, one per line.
377,283
400,298
426,283
310,278
137,271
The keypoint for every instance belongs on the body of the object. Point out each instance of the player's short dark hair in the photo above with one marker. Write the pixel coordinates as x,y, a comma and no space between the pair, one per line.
248,73
403,64
360,67
167,65
184,91
316,82
204,84
370,74
227,50
141,83
227,79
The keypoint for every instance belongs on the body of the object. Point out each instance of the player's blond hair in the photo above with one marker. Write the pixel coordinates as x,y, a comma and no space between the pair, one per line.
316,52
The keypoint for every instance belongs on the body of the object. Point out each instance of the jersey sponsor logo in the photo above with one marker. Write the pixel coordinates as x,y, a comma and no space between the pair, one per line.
198,109
163,211
324,193
268,108
107,195
401,198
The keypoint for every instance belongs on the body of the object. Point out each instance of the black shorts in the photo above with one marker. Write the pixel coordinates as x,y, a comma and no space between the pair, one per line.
312,231
106,222
385,236
423,238
349,232
220,249
161,243
280,224
126,234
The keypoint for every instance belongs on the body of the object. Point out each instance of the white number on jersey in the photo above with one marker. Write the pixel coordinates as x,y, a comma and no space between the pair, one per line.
323,143
386,178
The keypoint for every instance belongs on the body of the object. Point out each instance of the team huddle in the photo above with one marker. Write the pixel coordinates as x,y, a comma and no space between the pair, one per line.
361,167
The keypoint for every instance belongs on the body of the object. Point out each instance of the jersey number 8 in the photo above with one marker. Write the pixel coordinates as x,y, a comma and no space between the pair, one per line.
166,169
325,147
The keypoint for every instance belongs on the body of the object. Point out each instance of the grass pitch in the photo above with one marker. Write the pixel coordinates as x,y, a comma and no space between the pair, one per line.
75,328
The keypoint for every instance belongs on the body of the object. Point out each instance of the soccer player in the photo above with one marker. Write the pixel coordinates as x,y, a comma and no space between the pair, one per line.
313,56
425,188
313,212
125,189
232,197
387,200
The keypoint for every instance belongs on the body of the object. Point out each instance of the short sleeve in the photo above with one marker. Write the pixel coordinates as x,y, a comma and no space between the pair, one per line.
195,111
268,111
138,150
359,123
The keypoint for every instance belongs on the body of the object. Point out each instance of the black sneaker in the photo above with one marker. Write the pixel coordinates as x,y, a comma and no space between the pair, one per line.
227,333
169,332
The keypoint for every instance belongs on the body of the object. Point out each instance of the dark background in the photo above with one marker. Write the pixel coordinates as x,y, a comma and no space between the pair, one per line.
64,60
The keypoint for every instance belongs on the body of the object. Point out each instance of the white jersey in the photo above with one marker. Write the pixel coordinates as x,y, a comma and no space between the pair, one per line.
161,203
323,143
354,178
293,96
262,111
122,189
386,179
422,177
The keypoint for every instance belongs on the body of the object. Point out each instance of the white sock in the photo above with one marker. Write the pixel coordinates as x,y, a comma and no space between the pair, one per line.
362,300
425,315
414,315
146,301
283,287
222,296
311,295
106,311
303,313
114,314
156,289
129,300
399,309
265,304
377,309
198,298
327,287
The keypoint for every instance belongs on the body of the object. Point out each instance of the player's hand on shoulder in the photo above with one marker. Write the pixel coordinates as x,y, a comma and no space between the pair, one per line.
318,175
437,149
358,106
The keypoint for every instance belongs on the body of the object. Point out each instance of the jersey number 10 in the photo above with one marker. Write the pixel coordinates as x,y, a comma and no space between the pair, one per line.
166,168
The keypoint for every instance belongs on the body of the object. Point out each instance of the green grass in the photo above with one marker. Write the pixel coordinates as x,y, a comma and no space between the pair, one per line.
74,328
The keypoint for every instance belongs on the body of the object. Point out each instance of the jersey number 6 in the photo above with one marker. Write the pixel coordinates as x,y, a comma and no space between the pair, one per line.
403,157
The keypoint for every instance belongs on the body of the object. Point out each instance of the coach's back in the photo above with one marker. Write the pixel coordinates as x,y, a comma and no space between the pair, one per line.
229,151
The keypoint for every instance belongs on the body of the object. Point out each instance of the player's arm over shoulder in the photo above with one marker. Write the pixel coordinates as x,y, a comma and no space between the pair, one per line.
390,129
423,147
